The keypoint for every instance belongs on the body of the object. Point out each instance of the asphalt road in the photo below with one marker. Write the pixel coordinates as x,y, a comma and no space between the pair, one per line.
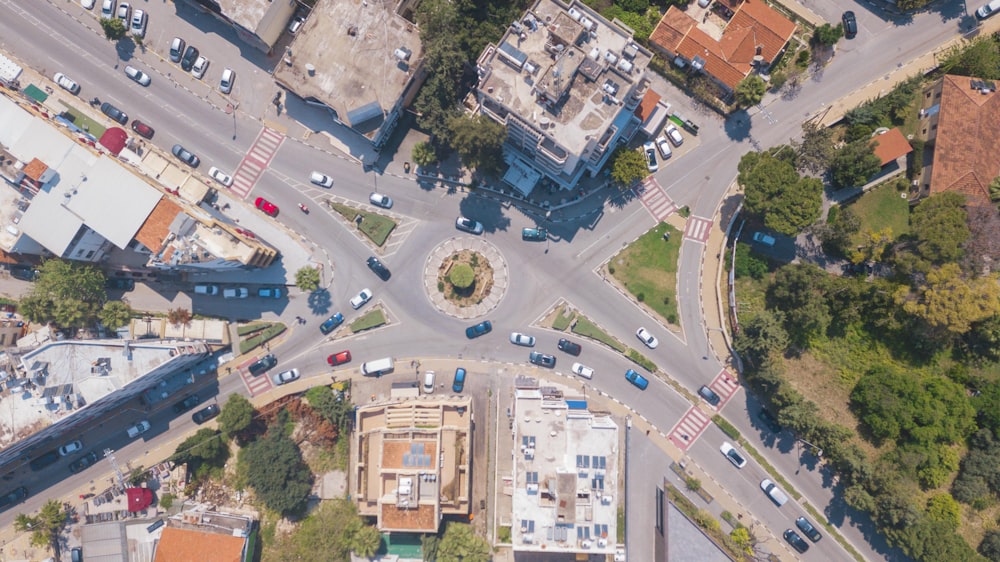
60,37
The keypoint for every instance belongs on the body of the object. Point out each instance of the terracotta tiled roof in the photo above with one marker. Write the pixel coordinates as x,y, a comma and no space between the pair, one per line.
729,59
891,145
966,157
182,545
35,169
647,105
154,231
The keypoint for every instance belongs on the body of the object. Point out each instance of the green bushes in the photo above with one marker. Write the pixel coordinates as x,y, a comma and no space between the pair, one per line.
261,336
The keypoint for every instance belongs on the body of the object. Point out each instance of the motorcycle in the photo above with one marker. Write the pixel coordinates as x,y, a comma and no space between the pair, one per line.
303,208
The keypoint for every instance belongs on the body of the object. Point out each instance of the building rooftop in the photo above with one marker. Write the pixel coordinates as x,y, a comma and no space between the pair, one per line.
203,537
564,72
413,466
565,492
891,145
354,57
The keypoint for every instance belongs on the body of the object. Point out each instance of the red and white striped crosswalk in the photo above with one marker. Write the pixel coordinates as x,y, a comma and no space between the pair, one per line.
256,385
694,422
698,229
656,201
256,161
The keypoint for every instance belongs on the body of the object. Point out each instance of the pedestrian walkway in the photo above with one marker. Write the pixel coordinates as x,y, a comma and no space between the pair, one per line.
687,430
656,201
725,385
256,161
698,229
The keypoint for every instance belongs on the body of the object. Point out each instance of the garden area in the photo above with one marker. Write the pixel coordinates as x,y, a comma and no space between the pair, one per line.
370,320
563,318
373,225
647,269
465,278
257,334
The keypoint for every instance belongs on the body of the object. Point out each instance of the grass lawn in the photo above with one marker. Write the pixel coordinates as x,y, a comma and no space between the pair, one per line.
375,226
883,207
84,122
588,329
647,269
561,321
373,319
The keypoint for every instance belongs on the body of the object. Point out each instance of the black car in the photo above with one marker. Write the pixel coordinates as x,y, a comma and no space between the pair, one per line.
534,234
44,460
479,329
13,498
850,24
807,529
120,284
184,155
262,365
379,268
206,413
190,55
795,540
83,462
769,420
23,273
114,113
187,404
572,348
542,359
709,395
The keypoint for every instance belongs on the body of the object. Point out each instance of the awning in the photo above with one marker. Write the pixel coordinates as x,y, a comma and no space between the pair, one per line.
139,498
114,139
522,177
34,93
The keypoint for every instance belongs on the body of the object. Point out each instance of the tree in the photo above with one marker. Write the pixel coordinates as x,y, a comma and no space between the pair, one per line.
799,290
775,193
873,247
115,314
179,316
333,409
321,537
236,415
742,539
461,544
750,91
950,303
67,293
275,471
978,57
423,154
838,233
827,35
479,141
762,335
815,150
462,276
854,164
943,509
429,545
307,278
205,446
940,227
365,541
45,527
628,167
990,547
114,28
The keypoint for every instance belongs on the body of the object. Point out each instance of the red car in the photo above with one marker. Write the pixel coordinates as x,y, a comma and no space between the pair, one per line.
142,129
266,206
339,358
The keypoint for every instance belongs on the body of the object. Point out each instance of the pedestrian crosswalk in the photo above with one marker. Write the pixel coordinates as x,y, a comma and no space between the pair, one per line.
656,201
698,229
256,385
256,161
694,422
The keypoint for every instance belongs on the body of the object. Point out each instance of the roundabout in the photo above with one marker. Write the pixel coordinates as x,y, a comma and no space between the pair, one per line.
465,277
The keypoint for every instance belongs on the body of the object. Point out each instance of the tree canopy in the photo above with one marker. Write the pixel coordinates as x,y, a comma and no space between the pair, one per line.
276,472
236,415
978,57
815,150
940,227
324,536
750,91
479,141
799,290
45,527
775,193
461,544
854,164
828,35
628,167
68,293
115,314
950,302
307,278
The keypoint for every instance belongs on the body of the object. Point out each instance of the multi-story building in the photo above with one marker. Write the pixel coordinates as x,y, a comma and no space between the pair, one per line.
257,22
564,82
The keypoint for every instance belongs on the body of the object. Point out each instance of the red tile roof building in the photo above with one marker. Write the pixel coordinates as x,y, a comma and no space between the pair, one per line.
890,146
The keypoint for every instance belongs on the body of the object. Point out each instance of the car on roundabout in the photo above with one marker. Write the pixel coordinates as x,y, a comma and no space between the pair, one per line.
379,268
321,180
517,338
361,298
570,347
380,200
339,358
480,329
534,234
581,370
468,225
636,379
542,359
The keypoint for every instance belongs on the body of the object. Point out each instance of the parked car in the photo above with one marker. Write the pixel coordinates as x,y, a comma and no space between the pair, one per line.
517,338
709,395
142,129
732,454
221,177
70,448
339,358
263,365
138,429
807,529
199,68
321,180
851,23
114,113
235,293
66,83
295,24
139,23
635,378
190,55
124,11
534,234
81,464
582,370
762,238
570,347
673,134
186,156
137,76
459,383
647,338
649,152
24,273
176,49
380,200
270,292
227,81
379,268
361,298
331,323
206,413
468,225
664,147
108,9
285,377
542,359
479,329
266,207
120,284
13,497
87,4
186,404
795,540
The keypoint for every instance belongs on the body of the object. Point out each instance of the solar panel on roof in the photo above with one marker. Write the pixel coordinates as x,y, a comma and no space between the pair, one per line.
991,85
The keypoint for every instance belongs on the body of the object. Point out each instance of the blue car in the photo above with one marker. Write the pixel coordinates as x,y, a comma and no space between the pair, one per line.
635,378
459,383
479,329
331,323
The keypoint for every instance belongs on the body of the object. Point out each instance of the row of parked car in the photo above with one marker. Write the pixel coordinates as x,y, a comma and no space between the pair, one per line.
238,292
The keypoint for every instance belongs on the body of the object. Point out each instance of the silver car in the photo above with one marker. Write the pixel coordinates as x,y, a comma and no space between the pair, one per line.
285,377
66,83
380,200
517,338
138,76
469,225
226,83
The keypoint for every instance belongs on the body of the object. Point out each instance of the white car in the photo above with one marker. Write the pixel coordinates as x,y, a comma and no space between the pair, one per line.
673,134
108,9
361,298
87,4
321,180
517,338
137,75
237,293
649,153
285,377
139,23
295,24
469,225
226,83
582,370
220,177
199,68
734,457
138,429
647,338
380,200
664,147
66,83
70,448
124,11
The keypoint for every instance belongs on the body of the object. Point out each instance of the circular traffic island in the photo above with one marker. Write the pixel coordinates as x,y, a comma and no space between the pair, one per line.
465,277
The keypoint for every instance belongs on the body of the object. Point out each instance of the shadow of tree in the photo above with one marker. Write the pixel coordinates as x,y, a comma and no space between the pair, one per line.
320,302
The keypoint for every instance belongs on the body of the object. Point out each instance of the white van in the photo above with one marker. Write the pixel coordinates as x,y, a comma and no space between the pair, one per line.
377,367
429,382
772,491
988,10
206,290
